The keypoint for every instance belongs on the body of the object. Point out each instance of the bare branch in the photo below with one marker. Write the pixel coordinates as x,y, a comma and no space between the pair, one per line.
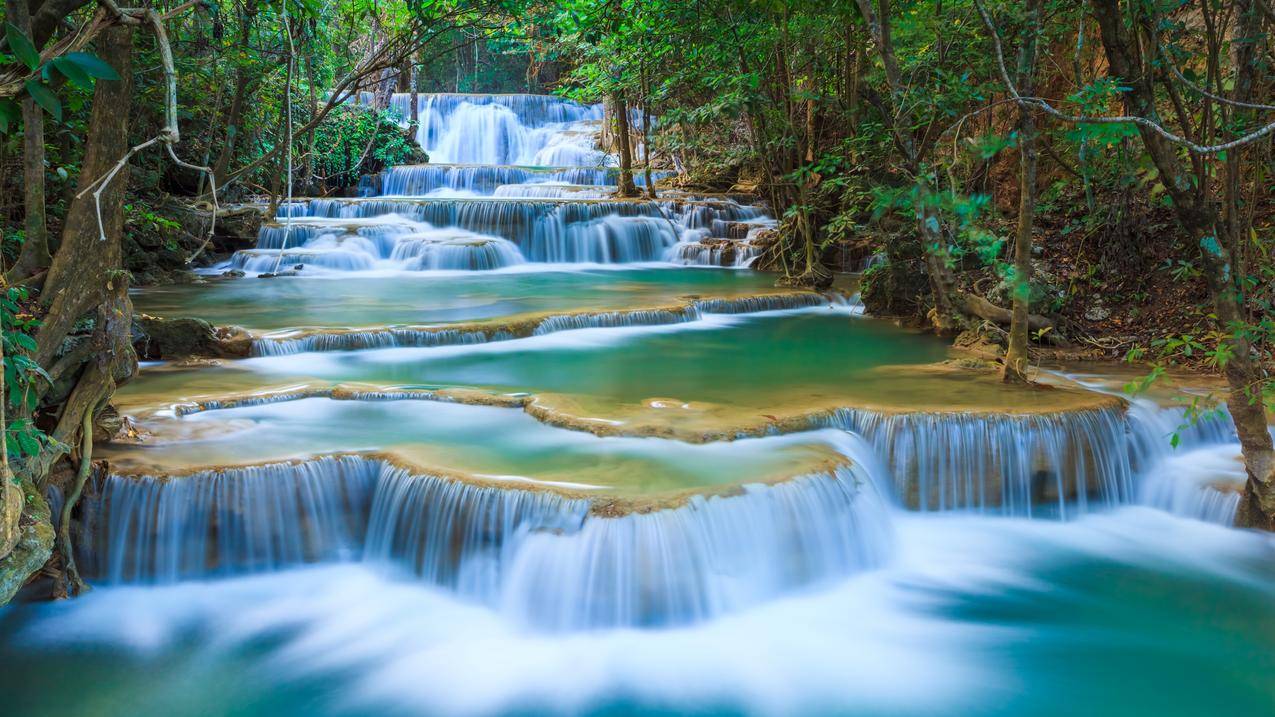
1044,106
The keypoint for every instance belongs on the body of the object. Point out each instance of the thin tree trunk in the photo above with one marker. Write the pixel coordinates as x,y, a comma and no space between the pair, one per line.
34,256
945,317
1016,361
234,120
415,109
626,188
646,138
10,491
308,183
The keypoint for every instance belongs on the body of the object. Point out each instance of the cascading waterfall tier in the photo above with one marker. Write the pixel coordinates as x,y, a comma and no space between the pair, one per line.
522,178
553,560
352,235
1013,464
421,180
161,529
391,337
1070,461
536,130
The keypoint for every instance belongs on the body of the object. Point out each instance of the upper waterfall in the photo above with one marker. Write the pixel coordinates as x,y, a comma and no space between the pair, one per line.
531,130
512,179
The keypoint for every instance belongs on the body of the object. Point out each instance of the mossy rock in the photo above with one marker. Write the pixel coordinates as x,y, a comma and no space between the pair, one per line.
157,338
33,547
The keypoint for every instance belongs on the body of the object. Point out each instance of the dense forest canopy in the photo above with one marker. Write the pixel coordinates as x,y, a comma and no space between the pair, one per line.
1032,176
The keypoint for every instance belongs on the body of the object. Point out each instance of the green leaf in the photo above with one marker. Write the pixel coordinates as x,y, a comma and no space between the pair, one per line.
9,113
22,46
93,65
27,443
45,99
73,72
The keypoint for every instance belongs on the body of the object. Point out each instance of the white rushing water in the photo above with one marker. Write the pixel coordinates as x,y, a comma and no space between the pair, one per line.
513,179
1111,615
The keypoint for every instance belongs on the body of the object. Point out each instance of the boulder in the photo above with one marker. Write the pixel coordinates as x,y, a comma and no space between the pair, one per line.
157,338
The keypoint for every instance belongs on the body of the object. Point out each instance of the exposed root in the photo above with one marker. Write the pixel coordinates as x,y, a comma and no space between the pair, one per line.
74,585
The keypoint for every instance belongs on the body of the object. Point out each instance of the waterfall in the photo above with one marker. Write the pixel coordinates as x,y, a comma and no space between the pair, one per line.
535,130
466,252
1023,464
393,337
1012,464
552,560
478,234
423,180
522,175
375,339
1202,477
160,529
705,558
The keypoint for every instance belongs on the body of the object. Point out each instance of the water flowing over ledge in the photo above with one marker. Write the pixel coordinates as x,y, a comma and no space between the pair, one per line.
356,234
539,130
418,180
533,326
1052,464
1011,463
1061,463
550,559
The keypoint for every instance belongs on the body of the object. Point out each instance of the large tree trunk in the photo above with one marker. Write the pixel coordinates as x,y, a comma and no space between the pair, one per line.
81,272
624,139
1016,361
1200,222
34,256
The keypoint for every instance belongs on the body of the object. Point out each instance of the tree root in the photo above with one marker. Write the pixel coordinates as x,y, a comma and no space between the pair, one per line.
984,309
74,585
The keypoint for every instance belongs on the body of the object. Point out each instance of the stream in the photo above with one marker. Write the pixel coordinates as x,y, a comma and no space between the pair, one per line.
508,445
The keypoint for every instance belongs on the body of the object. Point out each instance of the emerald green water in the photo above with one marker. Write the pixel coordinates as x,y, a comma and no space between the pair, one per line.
423,298
702,376
749,361
457,438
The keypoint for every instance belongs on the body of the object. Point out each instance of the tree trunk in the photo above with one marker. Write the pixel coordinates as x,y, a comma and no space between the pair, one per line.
646,138
621,105
34,256
404,81
221,167
10,491
1016,361
414,109
942,282
79,276
1200,222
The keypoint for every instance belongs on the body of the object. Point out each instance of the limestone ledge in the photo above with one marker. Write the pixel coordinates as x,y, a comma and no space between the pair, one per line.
697,422
601,504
